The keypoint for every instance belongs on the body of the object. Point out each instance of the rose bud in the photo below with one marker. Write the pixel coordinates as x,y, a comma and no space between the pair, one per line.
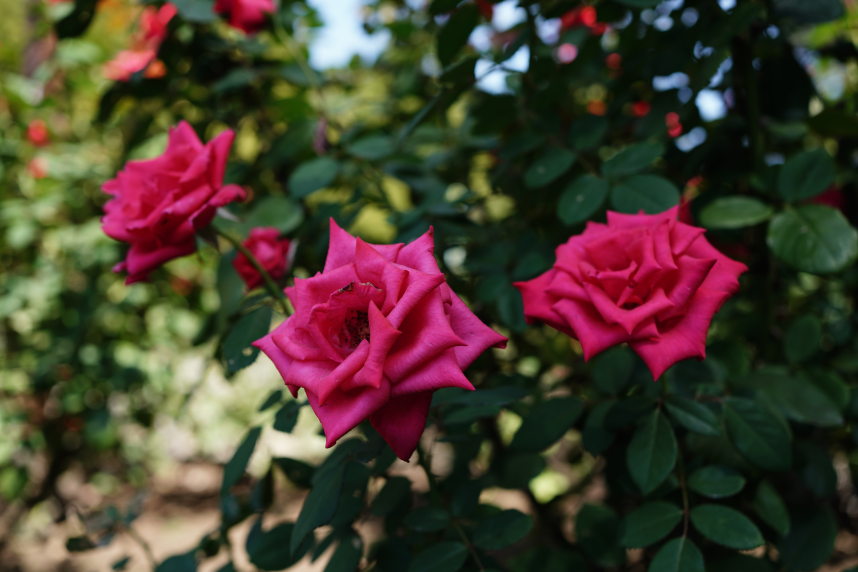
271,251
245,15
374,335
159,204
37,133
646,280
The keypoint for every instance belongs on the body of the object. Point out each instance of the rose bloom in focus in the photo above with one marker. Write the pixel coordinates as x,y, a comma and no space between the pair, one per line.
159,204
271,251
142,56
245,15
374,335
646,280
37,133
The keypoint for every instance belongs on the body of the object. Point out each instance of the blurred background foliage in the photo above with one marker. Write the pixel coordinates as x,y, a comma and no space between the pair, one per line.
506,127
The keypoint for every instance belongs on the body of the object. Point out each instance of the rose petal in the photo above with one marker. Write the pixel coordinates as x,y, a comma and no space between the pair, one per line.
473,332
341,375
281,361
691,274
144,257
346,410
622,220
401,422
539,303
417,286
372,267
341,250
420,254
318,290
443,371
595,334
627,319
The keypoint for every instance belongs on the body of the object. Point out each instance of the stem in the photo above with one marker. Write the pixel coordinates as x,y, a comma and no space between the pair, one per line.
269,282
423,459
143,544
469,545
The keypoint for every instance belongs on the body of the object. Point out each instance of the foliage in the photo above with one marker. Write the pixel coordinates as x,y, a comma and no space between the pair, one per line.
752,447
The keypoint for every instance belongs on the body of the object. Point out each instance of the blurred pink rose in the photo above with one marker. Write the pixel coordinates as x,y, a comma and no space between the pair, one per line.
159,204
271,251
144,47
374,335
246,15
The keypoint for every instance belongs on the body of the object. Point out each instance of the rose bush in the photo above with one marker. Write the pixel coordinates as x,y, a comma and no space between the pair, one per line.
270,250
374,335
158,205
648,280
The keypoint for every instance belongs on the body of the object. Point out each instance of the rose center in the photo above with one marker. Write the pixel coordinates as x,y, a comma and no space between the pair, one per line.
355,328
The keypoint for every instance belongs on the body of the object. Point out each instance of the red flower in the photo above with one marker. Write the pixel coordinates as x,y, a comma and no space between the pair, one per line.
144,46
583,16
374,335
646,280
674,127
159,204
486,8
832,197
37,133
246,15
614,61
641,108
271,251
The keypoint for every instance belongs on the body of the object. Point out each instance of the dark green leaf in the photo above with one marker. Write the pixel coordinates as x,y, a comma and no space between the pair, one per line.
312,176
818,472
692,415
235,79
495,396
179,563
597,528
120,564
372,147
649,523
652,452
234,469
678,555
427,519
550,165
832,385
581,199
269,550
469,414
735,212
395,491
797,397
442,6
546,423
632,160
716,482
649,193
321,504
627,411
79,544
502,530
521,143
441,557
726,526
813,238
466,498
596,437
77,21
287,416
803,13
613,370
238,353
810,540
347,556
805,175
298,472
802,337
272,400
758,433
834,122
455,33
639,3
282,213
459,72
197,11
587,132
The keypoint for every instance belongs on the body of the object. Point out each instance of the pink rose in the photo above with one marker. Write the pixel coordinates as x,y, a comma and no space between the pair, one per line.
246,15
647,280
144,46
374,335
271,251
159,204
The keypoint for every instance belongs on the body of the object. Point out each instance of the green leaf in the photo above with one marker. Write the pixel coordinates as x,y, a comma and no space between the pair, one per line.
649,523
282,213
268,550
802,337
587,132
803,13
758,433
395,490
597,528
235,79
692,415
502,530
427,519
639,3
312,176
238,353
178,563
442,6
652,452
596,437
726,526
287,417
546,423
196,11
735,212
581,199
321,504
813,238
455,33
678,555
797,397
632,160
459,72
650,193
613,370
347,556
716,482
372,147
550,165
493,397
272,400
234,469
810,540
628,411
469,414
298,472
832,385
833,122
521,143
79,544
441,557
121,564
805,175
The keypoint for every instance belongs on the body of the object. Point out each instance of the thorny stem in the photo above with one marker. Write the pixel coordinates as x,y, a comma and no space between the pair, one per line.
469,545
143,544
270,285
